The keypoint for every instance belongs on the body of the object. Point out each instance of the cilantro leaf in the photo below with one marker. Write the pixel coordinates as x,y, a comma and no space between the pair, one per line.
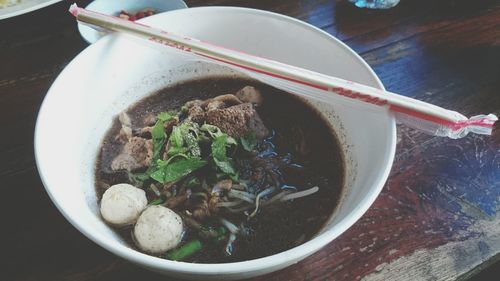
176,142
176,137
158,131
184,140
165,116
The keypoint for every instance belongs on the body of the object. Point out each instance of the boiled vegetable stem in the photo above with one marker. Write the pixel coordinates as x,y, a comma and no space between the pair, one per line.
185,251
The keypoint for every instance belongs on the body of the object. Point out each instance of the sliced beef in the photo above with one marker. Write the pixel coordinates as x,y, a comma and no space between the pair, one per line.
196,113
251,95
149,120
197,109
238,120
219,102
136,154
230,114
213,105
126,130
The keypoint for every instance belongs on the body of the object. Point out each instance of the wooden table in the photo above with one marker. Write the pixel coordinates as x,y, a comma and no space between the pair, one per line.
436,219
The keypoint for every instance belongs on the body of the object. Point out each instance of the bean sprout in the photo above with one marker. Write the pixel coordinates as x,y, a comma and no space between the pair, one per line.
230,226
299,194
249,197
276,198
257,200
155,190
229,203
239,210
229,245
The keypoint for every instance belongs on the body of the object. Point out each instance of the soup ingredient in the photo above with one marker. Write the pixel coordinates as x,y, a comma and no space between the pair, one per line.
250,94
157,201
185,251
122,204
228,113
137,15
136,154
249,142
173,171
158,230
299,194
210,234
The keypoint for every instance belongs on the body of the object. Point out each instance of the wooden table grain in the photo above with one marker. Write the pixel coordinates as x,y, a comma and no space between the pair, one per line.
438,216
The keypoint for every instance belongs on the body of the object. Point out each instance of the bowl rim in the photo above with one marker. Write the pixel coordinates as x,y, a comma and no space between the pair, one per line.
285,257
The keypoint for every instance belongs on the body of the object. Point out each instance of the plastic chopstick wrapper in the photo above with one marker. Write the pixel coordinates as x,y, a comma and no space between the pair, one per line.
411,112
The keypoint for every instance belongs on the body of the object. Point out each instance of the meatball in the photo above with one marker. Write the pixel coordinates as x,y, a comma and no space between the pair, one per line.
158,230
122,204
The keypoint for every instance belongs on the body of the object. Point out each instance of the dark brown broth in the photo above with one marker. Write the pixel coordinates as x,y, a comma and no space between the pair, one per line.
300,130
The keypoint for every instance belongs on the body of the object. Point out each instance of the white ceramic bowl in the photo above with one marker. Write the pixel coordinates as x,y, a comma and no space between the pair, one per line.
105,78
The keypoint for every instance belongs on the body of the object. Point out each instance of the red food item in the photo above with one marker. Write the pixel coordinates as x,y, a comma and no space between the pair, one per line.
138,15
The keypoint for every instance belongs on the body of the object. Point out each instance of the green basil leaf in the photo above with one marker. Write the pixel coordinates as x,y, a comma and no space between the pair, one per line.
219,147
225,166
174,171
177,170
158,134
219,154
158,175
249,142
